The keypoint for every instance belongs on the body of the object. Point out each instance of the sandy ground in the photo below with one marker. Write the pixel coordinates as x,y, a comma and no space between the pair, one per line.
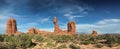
90,46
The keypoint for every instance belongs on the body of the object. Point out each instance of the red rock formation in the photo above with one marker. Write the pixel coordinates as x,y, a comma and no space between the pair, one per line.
14,26
94,33
11,26
72,27
56,27
32,31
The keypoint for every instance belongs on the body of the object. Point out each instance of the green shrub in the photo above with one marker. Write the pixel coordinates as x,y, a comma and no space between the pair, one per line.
72,46
23,41
99,45
39,38
112,39
63,38
3,47
49,44
63,46
85,42
2,38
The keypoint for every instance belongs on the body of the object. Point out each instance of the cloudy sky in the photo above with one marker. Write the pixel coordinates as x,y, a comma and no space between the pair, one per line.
100,15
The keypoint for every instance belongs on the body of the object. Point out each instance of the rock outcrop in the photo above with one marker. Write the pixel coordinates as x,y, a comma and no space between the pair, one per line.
11,26
94,33
32,31
72,27
38,31
56,27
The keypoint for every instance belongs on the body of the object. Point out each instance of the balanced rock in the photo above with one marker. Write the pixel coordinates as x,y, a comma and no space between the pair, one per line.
72,27
94,33
11,26
56,27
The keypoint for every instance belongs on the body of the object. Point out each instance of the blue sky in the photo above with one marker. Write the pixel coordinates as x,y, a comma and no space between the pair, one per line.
100,15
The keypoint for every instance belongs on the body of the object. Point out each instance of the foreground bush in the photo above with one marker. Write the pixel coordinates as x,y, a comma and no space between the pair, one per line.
99,45
22,41
63,38
72,46
38,38
2,38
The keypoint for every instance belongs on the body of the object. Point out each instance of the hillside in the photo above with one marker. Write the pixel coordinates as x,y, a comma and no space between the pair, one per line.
52,41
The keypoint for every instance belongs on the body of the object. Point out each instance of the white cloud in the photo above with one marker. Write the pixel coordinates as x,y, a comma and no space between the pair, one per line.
45,20
102,26
109,21
74,12
71,17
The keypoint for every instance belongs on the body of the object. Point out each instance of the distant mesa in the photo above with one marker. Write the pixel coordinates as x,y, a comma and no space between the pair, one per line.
94,33
12,27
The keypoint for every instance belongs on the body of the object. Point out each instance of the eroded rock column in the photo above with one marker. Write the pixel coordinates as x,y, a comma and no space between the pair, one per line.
56,27
11,26
72,27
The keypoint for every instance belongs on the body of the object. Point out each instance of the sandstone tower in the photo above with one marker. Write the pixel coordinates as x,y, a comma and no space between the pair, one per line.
72,27
56,27
11,26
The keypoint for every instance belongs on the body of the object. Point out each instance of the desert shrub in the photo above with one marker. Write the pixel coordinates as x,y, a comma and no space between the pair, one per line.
3,47
63,46
72,46
85,42
23,41
63,38
39,38
90,40
82,37
11,46
2,38
49,44
110,45
99,45
93,39
112,39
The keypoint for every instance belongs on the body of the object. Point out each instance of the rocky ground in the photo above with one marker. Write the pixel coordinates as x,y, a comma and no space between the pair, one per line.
51,41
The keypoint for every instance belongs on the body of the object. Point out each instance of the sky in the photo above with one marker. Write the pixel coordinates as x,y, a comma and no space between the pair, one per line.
100,15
